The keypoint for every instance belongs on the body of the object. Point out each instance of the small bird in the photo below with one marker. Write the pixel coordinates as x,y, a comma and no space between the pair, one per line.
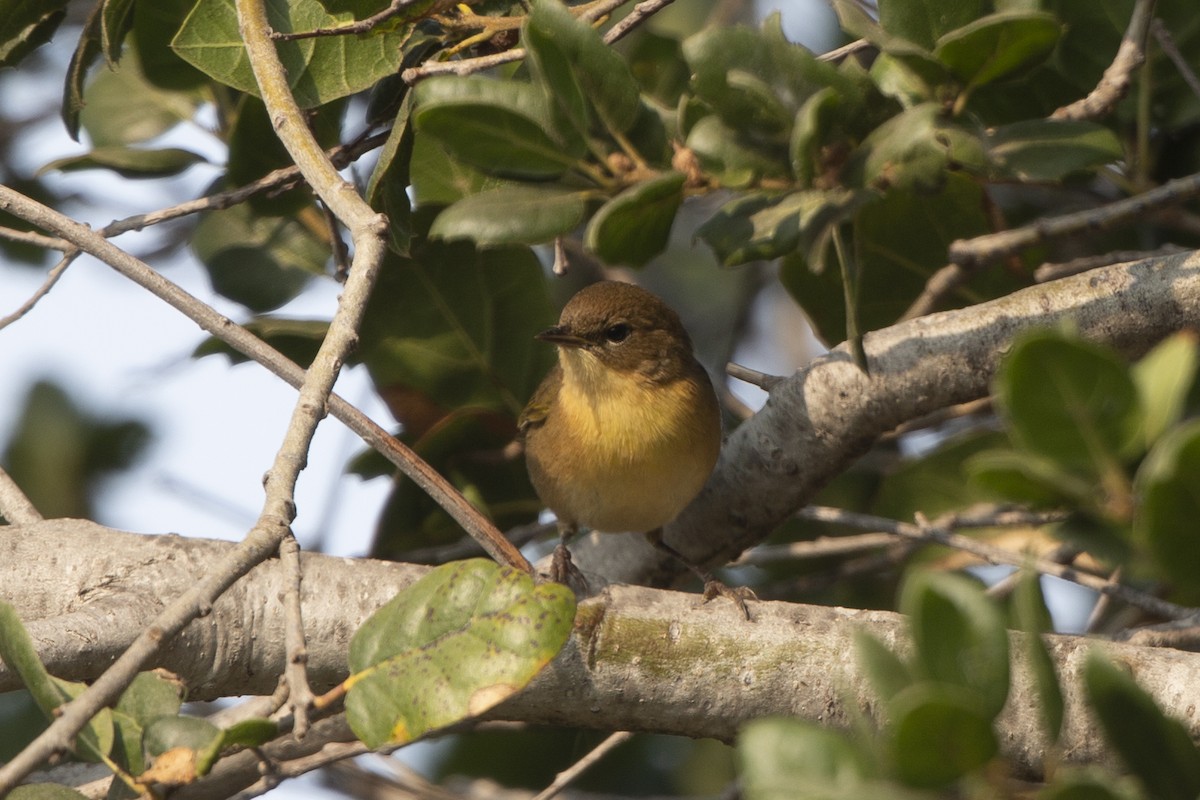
625,429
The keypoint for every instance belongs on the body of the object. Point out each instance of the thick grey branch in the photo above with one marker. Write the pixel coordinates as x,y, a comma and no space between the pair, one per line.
640,659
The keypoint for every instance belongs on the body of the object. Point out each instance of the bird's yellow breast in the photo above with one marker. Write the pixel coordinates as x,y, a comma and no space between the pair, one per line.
646,447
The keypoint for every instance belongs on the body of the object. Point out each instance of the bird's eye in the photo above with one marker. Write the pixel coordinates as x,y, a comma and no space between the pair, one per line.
617,333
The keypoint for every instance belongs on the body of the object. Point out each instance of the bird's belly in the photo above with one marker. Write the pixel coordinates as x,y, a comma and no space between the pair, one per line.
617,490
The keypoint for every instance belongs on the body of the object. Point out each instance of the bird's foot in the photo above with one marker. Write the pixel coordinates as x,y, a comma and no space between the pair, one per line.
739,595
564,571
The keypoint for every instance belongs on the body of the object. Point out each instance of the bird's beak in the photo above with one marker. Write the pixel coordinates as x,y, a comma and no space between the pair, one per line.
560,336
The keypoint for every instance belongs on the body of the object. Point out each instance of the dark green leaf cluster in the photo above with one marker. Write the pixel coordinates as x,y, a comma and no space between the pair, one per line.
939,705
1113,443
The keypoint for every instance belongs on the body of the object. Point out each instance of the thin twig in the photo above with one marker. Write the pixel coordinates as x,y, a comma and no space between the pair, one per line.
995,246
940,284
762,380
1115,81
1167,42
15,506
51,278
1102,604
1051,272
640,13
469,66
469,548
31,238
929,533
279,179
839,53
821,547
564,778
1181,634
358,26
300,695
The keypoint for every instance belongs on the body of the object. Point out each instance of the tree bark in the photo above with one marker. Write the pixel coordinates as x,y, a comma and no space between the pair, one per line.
639,659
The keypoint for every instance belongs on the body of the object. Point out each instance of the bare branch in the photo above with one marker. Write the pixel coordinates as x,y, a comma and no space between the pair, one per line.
1115,82
995,246
300,694
469,66
1167,42
15,506
1052,272
564,779
51,278
752,376
932,533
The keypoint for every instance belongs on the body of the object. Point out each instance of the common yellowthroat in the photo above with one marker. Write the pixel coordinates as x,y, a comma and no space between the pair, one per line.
625,429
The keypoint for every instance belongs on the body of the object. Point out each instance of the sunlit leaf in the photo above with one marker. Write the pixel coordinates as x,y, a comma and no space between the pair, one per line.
454,644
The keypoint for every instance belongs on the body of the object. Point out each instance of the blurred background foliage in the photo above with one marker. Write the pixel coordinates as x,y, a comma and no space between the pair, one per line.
781,201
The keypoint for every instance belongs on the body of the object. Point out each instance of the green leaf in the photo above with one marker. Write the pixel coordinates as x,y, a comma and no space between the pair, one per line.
1070,401
603,76
247,733
388,188
939,733
95,742
886,672
466,337
502,127
998,46
1028,478
1079,784
899,241
524,214
149,697
634,226
1156,748
451,646
809,133
543,35
319,69
923,22
26,25
1033,618
298,339
123,107
116,20
1164,377
914,150
735,160
199,738
1050,150
733,72
130,162
959,636
87,50
1168,484
261,262
154,26
18,652
439,180
761,225
786,758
